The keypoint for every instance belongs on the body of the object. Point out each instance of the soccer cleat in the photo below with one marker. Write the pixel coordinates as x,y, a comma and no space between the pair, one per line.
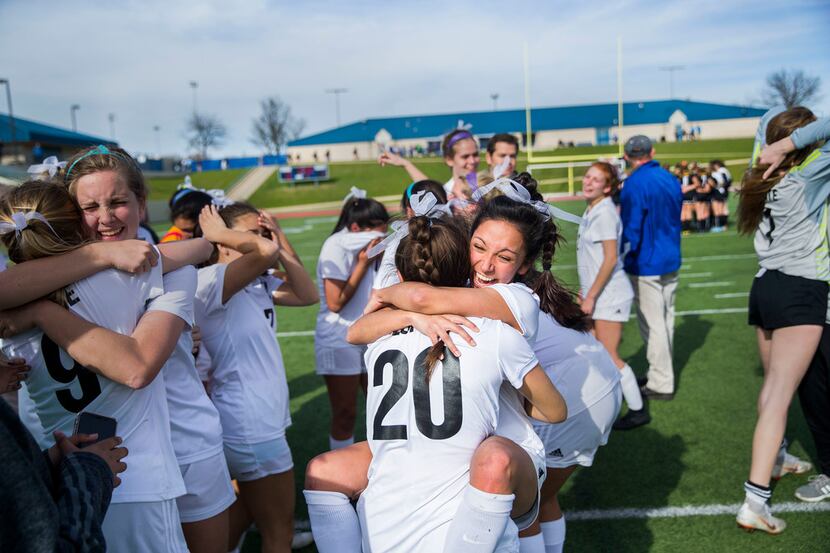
301,539
790,464
648,393
816,489
750,521
633,419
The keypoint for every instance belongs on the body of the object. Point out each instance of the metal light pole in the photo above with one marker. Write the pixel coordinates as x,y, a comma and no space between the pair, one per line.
495,97
72,109
337,92
13,137
671,69
156,130
194,85
111,119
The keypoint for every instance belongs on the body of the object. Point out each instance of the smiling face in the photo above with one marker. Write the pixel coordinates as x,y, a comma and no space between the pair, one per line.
111,210
595,185
465,158
497,253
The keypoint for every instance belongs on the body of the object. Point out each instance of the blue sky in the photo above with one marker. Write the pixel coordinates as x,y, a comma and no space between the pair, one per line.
136,58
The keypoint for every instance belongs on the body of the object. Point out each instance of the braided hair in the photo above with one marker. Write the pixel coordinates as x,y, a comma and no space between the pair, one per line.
436,252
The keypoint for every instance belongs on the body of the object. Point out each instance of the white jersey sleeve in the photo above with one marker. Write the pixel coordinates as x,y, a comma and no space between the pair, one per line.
335,261
516,357
179,290
211,285
524,305
387,272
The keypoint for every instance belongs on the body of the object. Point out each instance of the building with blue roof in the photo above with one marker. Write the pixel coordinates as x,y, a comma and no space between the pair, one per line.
552,127
23,141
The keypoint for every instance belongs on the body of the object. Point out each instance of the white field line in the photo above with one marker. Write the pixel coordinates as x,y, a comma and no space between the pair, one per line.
732,295
689,511
695,275
711,284
729,310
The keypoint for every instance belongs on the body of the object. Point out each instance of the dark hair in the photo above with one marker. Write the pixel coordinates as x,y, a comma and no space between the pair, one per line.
365,212
502,137
526,179
436,252
540,237
435,187
453,138
188,203
754,187
229,213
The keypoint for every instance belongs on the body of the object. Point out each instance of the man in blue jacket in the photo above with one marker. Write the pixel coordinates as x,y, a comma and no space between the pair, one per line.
650,211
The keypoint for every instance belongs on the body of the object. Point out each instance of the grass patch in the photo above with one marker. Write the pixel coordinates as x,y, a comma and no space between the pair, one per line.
161,188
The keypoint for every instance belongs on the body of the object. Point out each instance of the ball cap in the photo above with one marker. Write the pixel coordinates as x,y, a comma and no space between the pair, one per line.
638,146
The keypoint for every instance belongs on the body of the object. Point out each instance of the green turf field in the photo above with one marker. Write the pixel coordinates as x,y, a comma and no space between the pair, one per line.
696,452
162,188
382,181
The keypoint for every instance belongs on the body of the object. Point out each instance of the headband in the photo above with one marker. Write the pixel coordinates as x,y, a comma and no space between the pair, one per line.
409,190
217,194
519,193
20,221
99,150
458,136
50,165
355,193
424,204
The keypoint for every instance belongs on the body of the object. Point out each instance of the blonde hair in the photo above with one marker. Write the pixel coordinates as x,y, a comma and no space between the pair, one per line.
63,234
96,159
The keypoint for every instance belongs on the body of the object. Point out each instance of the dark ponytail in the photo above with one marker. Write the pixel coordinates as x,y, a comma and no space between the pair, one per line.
436,252
365,212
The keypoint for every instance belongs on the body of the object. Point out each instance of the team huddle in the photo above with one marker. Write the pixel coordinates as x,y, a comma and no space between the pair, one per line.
487,381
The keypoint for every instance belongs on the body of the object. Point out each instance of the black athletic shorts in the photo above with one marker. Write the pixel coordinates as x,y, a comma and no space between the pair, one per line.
701,197
689,197
720,195
777,300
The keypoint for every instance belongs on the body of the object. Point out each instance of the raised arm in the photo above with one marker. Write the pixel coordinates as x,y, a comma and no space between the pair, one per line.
298,289
179,253
34,279
395,160
339,292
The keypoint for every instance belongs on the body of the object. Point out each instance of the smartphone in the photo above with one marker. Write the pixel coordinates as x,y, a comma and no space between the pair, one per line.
91,423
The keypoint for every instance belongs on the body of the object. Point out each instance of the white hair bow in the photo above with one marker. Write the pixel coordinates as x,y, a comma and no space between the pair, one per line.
219,198
20,220
50,165
500,170
424,204
355,194
519,193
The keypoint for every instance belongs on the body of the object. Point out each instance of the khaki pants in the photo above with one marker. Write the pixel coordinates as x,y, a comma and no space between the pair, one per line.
654,296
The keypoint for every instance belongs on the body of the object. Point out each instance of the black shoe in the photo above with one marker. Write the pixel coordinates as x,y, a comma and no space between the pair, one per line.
633,419
642,381
648,393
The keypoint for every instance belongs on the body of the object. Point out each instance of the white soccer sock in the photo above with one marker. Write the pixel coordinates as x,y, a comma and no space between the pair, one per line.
630,389
554,534
334,522
339,444
479,522
532,544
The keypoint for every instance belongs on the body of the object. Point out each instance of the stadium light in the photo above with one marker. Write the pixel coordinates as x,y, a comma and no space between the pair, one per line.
671,69
72,109
13,137
337,92
156,130
111,119
495,97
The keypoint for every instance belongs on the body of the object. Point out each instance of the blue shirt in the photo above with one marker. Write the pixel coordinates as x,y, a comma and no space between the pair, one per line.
650,210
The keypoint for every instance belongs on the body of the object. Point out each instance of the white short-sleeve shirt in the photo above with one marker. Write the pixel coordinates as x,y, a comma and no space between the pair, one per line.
423,436
601,223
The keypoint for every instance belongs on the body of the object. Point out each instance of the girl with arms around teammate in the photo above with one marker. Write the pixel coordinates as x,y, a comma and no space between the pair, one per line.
235,302
345,274
605,290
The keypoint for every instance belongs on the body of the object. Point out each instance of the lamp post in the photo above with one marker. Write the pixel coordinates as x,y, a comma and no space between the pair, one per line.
495,97
337,92
671,69
72,109
194,85
156,130
111,119
12,134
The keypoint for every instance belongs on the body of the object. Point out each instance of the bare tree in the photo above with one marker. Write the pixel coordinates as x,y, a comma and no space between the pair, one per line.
204,132
791,88
275,126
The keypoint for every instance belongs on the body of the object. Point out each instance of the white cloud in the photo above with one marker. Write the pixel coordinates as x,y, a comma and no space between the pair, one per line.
135,59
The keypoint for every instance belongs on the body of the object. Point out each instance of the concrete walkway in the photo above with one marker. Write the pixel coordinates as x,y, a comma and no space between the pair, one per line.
250,182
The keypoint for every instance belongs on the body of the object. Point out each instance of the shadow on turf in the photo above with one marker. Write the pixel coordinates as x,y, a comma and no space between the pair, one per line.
689,335
638,469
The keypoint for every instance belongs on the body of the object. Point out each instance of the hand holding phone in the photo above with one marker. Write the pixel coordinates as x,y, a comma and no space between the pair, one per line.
92,423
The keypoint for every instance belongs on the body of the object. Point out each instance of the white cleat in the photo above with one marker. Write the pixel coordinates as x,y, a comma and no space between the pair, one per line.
790,464
750,521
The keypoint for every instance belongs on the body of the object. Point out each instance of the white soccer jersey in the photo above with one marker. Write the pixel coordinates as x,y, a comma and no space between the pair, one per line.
60,388
423,436
248,387
337,259
194,421
600,223
577,364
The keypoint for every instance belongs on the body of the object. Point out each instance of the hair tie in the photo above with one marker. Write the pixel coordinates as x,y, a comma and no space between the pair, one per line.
50,165
20,221
355,193
424,204
219,198
519,193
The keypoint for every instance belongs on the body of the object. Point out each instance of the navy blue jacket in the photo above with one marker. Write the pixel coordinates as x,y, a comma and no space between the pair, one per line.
650,210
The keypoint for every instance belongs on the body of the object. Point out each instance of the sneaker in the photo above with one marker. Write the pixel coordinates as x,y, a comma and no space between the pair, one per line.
816,489
790,464
633,419
301,539
750,521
